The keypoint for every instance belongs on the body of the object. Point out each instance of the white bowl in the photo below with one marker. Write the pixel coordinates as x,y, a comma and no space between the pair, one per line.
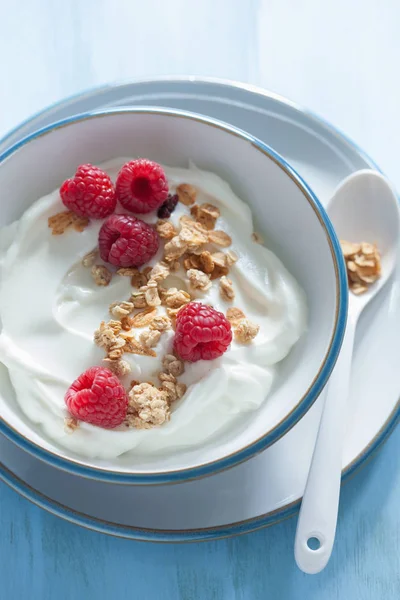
285,210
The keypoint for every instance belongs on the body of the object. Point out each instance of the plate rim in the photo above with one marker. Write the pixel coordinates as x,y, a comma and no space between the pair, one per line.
219,81
253,523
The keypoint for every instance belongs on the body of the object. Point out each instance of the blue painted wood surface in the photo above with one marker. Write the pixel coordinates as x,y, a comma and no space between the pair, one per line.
341,60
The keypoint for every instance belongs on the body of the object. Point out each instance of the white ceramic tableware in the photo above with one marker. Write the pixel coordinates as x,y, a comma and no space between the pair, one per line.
267,488
363,208
286,213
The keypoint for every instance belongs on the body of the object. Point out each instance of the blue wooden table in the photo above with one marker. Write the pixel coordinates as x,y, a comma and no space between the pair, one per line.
341,60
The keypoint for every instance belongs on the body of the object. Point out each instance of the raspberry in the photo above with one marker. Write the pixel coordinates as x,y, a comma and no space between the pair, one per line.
141,186
127,241
168,207
97,397
202,333
90,193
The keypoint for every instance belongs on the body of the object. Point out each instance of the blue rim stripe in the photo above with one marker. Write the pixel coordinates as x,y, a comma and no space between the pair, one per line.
308,399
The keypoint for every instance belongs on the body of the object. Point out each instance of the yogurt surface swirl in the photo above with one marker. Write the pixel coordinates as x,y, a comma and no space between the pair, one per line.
50,308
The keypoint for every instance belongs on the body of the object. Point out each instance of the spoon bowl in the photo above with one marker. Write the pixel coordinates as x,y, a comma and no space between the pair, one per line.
365,208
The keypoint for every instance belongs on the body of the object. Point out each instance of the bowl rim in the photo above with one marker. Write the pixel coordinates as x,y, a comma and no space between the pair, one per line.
308,398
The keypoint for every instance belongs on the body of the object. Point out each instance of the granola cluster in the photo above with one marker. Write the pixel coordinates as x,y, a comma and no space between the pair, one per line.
101,275
363,264
195,246
117,337
70,424
244,330
149,405
62,221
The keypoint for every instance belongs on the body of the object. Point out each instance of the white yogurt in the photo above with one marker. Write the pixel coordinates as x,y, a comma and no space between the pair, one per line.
50,307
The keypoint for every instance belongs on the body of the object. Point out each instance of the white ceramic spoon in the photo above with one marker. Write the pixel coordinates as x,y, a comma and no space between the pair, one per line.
363,208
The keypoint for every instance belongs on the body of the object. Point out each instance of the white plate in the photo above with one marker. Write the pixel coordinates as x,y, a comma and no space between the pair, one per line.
268,487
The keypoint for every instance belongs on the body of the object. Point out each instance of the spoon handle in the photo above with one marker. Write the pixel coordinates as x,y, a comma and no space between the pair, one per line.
319,508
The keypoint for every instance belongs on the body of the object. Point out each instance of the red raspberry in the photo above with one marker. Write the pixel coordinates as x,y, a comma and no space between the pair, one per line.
90,193
141,186
202,333
97,397
127,241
